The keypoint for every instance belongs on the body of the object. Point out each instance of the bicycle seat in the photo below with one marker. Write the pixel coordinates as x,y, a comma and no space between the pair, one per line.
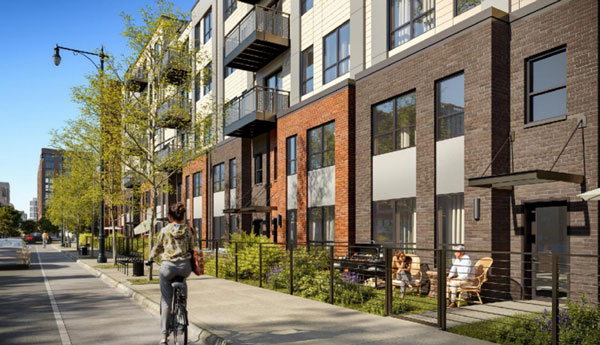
178,285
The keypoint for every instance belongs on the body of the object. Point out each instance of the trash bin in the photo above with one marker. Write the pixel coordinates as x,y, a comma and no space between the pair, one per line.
138,268
84,250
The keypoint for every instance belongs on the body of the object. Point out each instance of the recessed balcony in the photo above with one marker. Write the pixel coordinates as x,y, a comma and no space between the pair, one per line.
137,79
254,112
176,113
176,66
261,36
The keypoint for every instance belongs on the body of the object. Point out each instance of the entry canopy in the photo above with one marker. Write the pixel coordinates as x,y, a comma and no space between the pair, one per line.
507,181
142,228
251,209
591,195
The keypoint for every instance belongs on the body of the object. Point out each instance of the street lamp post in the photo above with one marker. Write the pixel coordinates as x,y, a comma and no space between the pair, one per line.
56,58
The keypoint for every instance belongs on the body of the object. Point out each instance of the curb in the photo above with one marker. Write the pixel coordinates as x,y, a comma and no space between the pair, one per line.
195,332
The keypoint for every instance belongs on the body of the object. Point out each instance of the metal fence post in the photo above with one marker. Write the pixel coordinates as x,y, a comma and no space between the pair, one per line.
555,275
291,270
331,276
260,270
216,244
441,287
236,261
388,281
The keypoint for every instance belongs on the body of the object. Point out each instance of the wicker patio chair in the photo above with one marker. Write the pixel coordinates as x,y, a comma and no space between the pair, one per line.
415,275
473,285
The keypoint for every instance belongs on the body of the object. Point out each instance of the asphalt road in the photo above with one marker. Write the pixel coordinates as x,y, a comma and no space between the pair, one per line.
85,310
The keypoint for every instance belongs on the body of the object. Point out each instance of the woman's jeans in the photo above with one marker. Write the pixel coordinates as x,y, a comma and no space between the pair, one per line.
404,278
169,270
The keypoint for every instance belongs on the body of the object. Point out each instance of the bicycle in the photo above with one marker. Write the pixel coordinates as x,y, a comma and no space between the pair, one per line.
177,322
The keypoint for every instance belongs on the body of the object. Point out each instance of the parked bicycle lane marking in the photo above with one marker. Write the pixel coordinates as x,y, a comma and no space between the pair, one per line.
62,329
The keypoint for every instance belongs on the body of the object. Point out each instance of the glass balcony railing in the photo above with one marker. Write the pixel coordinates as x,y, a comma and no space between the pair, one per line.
255,111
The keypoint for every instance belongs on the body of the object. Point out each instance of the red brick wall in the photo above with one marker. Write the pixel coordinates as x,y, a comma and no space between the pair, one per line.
199,165
336,108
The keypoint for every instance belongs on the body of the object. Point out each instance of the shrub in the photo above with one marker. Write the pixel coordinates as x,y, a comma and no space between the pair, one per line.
249,256
376,306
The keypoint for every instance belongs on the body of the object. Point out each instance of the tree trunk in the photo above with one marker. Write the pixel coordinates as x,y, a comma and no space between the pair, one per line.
114,235
152,218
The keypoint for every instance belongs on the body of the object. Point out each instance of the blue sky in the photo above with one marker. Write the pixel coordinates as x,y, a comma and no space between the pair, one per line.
35,95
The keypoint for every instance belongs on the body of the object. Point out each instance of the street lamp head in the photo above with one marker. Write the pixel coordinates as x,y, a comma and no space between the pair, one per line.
56,56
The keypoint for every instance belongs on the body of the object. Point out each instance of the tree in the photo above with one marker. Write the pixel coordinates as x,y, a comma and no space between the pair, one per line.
29,226
46,226
10,221
141,121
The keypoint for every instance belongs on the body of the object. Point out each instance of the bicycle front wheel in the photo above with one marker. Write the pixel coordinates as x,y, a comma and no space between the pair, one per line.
180,330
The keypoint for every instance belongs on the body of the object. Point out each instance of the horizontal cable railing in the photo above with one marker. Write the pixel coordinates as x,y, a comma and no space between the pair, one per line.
257,99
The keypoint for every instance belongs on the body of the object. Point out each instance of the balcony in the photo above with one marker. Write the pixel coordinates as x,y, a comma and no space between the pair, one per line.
261,36
254,112
176,113
175,66
130,180
137,80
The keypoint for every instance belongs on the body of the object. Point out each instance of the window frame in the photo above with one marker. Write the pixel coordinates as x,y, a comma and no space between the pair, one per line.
198,34
207,16
233,173
337,62
288,159
529,83
229,6
322,151
219,178
258,169
207,79
187,187
438,103
198,87
331,211
303,75
410,23
456,7
227,71
396,205
304,8
197,184
396,129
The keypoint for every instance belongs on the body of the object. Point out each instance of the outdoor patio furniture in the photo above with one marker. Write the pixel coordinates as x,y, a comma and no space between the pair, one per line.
474,284
416,278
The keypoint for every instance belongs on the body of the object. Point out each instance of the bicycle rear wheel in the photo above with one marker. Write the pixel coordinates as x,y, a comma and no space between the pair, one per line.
179,324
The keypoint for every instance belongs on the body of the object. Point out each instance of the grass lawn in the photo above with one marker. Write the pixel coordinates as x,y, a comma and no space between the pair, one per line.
489,330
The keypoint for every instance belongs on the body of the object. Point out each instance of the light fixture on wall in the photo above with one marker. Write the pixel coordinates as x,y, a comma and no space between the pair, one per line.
476,205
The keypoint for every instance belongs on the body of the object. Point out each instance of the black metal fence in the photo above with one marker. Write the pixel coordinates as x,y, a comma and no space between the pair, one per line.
501,294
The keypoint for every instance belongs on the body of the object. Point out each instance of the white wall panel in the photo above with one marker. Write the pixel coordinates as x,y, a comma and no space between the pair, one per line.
292,192
395,175
321,187
198,207
218,204
450,166
232,198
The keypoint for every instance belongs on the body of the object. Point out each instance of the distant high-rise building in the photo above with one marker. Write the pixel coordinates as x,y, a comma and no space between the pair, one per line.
4,193
50,165
33,209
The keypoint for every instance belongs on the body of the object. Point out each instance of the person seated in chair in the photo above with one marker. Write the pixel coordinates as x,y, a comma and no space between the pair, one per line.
459,273
401,264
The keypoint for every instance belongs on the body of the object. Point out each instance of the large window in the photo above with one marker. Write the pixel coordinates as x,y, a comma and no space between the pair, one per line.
219,178
232,173
229,6
307,70
292,156
450,107
450,218
198,229
207,78
219,229
305,5
233,223
394,123
187,187
197,181
409,19
463,6
394,221
321,224
547,85
336,58
321,146
258,169
197,35
198,87
207,23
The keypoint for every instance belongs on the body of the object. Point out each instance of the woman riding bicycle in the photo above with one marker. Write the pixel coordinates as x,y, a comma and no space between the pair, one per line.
175,242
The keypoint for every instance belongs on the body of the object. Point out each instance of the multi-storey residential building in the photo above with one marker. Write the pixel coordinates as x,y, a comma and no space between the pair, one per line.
407,123
51,164
4,194
33,208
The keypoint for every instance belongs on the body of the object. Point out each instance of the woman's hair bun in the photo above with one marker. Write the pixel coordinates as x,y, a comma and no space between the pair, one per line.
177,211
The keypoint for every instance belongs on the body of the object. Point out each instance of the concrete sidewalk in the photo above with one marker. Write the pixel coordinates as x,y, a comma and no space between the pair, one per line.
224,311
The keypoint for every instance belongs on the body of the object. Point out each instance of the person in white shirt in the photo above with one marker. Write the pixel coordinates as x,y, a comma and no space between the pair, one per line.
461,271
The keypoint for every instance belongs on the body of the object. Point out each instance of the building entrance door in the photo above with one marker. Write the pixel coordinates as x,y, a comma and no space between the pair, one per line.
546,234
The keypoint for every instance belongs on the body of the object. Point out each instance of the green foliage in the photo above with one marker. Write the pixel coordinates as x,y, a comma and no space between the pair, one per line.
579,324
248,255
10,221
29,226
376,306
